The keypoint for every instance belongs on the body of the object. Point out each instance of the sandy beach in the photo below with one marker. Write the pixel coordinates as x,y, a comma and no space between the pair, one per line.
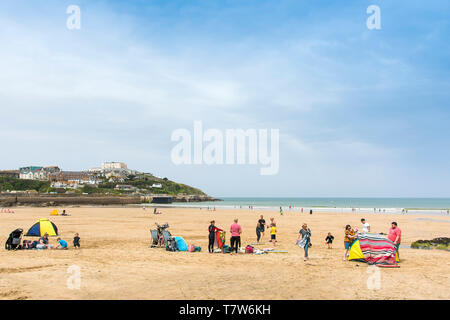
116,261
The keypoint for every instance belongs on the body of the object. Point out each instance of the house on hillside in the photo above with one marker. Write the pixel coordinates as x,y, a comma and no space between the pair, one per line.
30,173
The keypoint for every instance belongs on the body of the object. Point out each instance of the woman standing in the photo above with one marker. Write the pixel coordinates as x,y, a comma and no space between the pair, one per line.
212,236
348,240
236,231
305,242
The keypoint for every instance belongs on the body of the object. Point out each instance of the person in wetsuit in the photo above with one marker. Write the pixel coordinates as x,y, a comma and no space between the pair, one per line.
212,236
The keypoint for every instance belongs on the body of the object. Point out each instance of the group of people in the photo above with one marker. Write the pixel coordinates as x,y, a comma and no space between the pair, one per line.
261,227
44,243
395,235
304,235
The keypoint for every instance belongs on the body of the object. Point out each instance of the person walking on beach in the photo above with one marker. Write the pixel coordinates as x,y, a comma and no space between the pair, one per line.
366,226
76,241
305,242
212,236
348,240
235,231
395,235
329,240
310,211
281,211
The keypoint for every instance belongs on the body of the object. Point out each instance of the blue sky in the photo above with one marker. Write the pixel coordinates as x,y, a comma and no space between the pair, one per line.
360,112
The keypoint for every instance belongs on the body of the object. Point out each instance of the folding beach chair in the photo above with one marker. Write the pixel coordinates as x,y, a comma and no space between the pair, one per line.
154,237
166,236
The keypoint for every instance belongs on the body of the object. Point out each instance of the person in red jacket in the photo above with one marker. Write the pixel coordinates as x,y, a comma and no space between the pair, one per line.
212,236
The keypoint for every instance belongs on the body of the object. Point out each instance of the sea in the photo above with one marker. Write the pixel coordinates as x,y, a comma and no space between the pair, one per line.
434,206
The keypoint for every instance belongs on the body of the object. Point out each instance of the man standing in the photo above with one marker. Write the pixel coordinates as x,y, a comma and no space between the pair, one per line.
235,231
262,225
366,226
395,235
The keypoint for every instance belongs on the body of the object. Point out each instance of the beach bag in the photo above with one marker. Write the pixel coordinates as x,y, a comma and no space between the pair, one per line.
198,249
171,244
227,249
191,248
249,249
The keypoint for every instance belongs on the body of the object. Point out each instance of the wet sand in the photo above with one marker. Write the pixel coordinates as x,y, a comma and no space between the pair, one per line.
116,262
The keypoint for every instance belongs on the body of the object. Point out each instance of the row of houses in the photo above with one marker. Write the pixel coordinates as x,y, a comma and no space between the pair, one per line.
115,172
38,173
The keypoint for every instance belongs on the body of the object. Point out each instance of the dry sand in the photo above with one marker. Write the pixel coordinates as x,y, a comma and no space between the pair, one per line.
116,262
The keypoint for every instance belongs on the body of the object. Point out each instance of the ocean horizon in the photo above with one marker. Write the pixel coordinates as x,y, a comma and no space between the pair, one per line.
332,204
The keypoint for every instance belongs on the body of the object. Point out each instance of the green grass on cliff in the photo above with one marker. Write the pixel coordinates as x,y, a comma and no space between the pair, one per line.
146,182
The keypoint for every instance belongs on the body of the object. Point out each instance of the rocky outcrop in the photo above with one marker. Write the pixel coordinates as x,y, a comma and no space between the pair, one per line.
193,198
438,243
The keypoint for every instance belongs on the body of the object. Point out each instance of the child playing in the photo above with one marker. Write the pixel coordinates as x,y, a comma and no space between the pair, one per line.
329,240
273,233
76,241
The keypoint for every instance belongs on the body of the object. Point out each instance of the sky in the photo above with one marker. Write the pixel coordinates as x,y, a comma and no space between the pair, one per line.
360,113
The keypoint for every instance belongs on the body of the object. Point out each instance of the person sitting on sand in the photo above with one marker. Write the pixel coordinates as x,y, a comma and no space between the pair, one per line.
44,238
62,244
348,240
273,234
76,241
64,213
329,240
41,245
26,244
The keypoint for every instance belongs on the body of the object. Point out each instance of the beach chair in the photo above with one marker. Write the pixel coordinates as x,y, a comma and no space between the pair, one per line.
166,236
154,234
